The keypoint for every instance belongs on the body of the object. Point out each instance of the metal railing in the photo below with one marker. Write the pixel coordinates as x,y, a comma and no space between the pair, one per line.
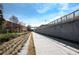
66,18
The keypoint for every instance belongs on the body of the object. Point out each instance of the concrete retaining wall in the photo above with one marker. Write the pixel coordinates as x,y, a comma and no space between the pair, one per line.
68,30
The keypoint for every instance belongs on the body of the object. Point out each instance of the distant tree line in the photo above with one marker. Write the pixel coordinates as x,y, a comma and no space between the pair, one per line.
13,25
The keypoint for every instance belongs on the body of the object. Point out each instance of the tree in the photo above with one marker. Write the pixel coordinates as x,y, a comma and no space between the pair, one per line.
1,25
29,28
14,19
1,21
15,22
7,26
1,17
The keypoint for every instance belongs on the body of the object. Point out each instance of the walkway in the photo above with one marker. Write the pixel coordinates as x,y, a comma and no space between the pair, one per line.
48,46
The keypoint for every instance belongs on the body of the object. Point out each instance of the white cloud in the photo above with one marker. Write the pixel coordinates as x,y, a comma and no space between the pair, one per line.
33,22
43,8
75,8
55,16
64,6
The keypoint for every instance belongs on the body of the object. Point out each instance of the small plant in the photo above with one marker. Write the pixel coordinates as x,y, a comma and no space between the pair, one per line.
7,36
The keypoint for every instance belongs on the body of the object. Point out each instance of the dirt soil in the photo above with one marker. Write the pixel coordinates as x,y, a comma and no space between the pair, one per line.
31,48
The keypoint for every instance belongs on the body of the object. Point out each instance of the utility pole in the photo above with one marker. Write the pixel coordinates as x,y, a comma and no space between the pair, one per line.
1,13
1,17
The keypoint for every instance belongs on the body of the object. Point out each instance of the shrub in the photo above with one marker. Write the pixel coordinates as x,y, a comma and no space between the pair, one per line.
8,36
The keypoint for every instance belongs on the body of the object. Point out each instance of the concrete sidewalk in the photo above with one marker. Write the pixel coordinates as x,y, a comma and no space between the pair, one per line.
48,46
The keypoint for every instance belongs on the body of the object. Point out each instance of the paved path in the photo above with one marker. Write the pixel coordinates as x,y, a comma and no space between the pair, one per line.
48,46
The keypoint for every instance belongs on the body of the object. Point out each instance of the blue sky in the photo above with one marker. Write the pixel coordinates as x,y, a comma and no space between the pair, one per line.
36,14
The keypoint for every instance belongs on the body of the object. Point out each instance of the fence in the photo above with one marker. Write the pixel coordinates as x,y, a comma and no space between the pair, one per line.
67,18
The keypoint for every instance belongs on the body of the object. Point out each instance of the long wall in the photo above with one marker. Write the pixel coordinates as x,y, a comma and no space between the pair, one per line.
68,30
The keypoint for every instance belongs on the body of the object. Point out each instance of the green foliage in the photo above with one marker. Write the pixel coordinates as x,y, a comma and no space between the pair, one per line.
1,21
8,36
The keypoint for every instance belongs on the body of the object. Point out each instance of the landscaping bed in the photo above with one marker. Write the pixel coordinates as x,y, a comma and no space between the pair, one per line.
12,47
8,36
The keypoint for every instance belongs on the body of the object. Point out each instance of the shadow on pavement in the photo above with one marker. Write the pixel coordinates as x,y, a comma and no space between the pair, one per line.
64,42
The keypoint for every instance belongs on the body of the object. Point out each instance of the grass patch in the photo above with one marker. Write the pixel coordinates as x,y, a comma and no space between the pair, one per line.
7,36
